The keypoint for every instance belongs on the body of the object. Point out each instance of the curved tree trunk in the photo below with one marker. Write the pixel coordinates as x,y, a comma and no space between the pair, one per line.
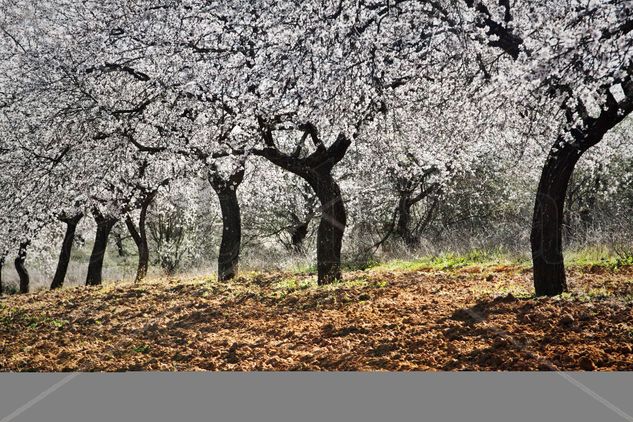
546,236
407,200
547,222
331,227
549,274
140,238
95,267
64,255
21,268
229,254
316,169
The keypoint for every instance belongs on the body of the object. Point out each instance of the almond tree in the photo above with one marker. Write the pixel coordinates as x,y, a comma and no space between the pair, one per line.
321,74
414,153
576,56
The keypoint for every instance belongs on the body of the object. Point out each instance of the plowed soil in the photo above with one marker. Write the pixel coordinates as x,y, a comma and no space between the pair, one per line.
476,318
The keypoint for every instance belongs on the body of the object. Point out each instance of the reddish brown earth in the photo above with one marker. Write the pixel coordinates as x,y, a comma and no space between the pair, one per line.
470,319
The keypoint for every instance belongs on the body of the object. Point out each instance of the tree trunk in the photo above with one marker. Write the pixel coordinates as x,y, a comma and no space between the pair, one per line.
331,227
403,225
1,285
21,268
118,241
229,254
546,236
298,233
64,255
547,222
228,258
95,267
140,238
316,169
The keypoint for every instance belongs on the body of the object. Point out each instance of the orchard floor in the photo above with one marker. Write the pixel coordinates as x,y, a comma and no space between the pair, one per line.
473,318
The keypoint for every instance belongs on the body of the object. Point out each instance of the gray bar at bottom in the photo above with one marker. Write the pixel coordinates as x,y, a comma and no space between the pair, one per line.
315,397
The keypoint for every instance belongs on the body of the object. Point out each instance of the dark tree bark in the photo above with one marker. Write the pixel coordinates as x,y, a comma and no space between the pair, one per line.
1,266
331,228
298,232
407,200
140,238
506,40
546,236
547,222
316,170
229,254
95,267
21,268
118,241
403,225
67,246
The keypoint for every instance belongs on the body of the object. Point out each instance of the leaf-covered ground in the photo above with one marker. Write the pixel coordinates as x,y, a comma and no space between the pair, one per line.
474,318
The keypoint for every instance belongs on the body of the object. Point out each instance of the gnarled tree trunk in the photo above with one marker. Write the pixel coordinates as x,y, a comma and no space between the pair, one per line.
21,268
331,227
316,170
407,200
95,267
229,254
67,246
140,238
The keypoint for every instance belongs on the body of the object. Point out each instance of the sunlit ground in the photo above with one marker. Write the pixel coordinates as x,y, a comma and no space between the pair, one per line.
446,313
